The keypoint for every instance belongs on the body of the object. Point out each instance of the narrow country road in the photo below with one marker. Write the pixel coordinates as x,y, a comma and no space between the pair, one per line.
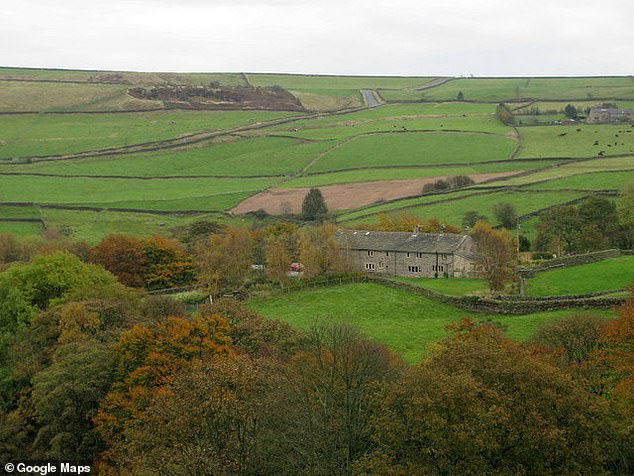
369,98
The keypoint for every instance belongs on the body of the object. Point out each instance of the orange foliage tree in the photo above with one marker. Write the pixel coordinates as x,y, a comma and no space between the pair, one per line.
408,221
617,353
148,359
166,264
122,255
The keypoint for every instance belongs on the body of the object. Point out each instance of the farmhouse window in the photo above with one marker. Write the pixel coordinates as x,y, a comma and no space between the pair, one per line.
444,256
370,266
370,253
408,255
419,255
414,269
387,253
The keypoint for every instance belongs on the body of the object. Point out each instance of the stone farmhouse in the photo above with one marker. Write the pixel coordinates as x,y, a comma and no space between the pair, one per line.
599,114
409,254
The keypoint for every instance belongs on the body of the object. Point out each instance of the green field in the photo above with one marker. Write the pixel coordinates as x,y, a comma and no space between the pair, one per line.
453,211
510,89
435,138
329,93
591,181
251,157
46,97
92,226
157,194
412,172
54,134
576,141
20,228
567,169
405,322
606,275
314,82
317,130
415,149
451,287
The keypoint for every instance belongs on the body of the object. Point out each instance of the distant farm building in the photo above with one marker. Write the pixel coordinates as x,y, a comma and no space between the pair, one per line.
601,114
409,254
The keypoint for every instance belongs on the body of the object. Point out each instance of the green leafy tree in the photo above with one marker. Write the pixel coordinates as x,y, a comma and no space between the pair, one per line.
314,207
460,96
506,215
571,111
626,213
471,218
559,230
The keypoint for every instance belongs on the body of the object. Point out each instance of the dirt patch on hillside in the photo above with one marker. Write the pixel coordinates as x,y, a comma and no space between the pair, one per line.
344,196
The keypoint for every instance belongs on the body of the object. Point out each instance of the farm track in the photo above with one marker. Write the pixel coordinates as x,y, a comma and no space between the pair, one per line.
434,83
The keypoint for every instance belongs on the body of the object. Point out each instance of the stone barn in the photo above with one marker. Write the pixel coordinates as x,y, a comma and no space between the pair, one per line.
603,114
409,254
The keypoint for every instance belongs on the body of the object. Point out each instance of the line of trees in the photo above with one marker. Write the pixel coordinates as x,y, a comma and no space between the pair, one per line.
96,371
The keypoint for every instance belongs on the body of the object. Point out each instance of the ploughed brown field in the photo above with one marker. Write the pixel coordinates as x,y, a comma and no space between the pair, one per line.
344,196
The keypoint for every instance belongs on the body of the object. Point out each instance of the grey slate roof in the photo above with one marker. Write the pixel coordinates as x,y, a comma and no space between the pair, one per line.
399,241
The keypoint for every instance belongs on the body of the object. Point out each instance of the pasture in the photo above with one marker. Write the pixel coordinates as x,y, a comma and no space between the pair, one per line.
157,194
407,323
589,140
343,129
609,180
414,149
452,211
411,172
607,275
451,287
57,134
248,152
248,157
514,89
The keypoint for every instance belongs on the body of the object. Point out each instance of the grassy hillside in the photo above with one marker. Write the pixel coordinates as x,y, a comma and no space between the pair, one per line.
54,134
395,141
606,275
407,323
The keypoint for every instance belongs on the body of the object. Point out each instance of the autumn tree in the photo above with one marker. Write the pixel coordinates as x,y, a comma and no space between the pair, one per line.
572,342
408,222
123,256
278,260
322,404
314,206
617,353
224,260
167,264
147,359
504,114
254,334
319,253
208,420
495,254
483,404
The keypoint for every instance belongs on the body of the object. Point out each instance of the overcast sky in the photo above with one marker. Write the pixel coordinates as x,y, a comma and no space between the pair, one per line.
407,37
